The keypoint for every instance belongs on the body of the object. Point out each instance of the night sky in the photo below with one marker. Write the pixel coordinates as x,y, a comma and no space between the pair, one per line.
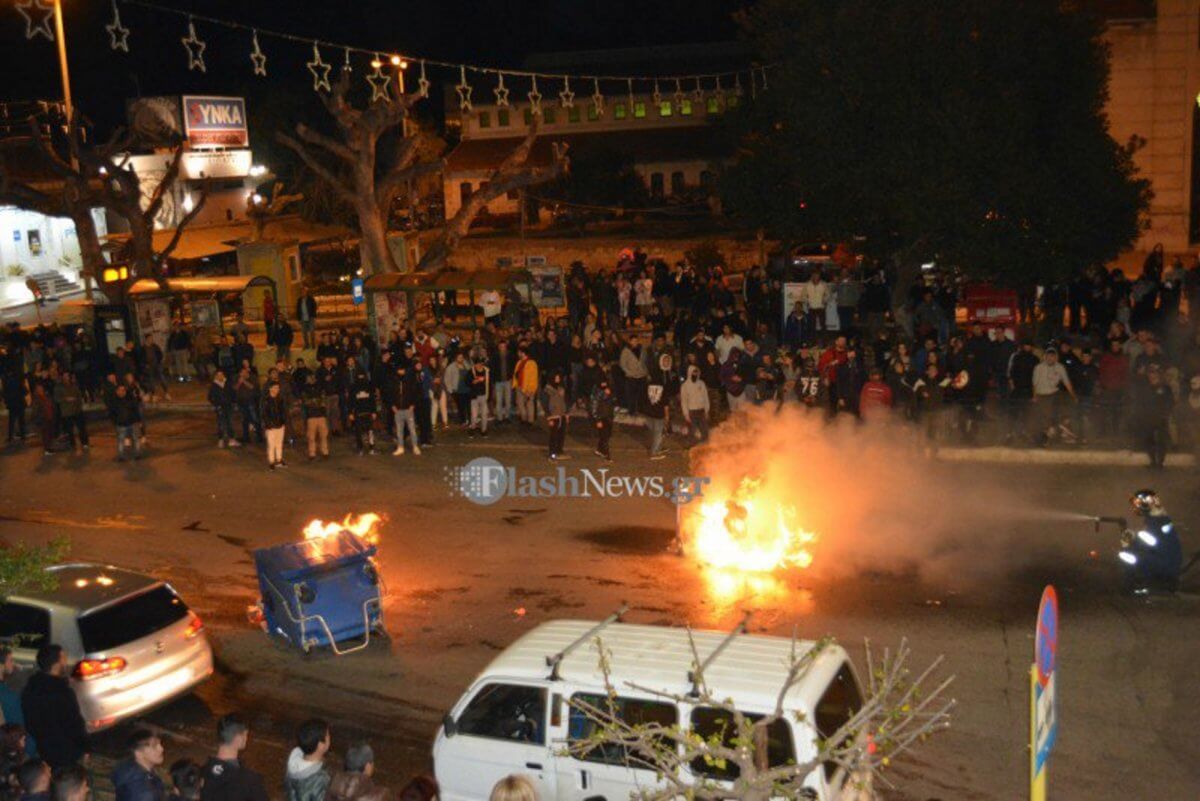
486,32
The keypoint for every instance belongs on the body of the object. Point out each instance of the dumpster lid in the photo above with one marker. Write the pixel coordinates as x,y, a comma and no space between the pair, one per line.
296,560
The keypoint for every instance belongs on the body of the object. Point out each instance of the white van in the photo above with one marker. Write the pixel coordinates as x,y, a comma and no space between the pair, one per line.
516,716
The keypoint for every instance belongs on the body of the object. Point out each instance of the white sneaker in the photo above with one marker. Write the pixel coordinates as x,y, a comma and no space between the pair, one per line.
233,443
399,452
416,451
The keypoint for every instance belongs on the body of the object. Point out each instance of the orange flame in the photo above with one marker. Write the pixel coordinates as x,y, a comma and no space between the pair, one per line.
748,531
364,526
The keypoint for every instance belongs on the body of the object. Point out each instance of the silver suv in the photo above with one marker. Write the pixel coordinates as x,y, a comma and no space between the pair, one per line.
132,642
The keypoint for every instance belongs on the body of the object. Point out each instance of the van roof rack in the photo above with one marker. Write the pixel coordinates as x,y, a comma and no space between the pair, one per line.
694,676
553,662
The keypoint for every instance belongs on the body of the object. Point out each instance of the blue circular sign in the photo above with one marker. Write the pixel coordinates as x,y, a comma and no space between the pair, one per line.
1046,641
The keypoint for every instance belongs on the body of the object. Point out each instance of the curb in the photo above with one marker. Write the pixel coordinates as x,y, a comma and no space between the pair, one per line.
1001,455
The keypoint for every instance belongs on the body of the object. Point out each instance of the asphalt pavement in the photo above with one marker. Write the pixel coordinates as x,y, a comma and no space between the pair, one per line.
465,580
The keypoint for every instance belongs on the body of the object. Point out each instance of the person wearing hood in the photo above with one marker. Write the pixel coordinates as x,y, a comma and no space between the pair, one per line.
604,409
355,781
307,779
51,710
134,778
656,404
557,416
693,399
733,381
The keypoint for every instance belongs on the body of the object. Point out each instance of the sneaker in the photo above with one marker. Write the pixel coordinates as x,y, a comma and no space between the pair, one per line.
399,451
416,451
657,456
233,443
598,453
271,467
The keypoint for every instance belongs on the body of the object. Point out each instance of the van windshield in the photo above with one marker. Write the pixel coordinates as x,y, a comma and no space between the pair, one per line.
131,619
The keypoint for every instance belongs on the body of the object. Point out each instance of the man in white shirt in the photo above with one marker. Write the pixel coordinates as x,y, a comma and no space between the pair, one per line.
816,293
1049,380
492,304
726,342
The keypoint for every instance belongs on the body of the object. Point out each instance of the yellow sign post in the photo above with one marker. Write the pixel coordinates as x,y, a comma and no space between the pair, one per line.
1037,778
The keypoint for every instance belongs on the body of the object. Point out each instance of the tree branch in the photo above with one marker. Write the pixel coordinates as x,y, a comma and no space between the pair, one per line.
161,257
339,186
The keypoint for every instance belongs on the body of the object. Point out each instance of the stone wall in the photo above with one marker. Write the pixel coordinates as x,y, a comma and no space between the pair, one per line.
477,253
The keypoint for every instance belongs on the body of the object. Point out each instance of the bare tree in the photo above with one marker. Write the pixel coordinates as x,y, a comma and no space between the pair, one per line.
76,195
897,712
350,163
262,212
101,174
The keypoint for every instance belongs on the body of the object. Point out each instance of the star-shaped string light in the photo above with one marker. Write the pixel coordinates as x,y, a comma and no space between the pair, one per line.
656,95
597,98
718,92
257,57
679,96
501,91
423,83
195,48
320,71
629,89
566,97
43,10
464,90
698,92
346,64
535,98
118,34
379,81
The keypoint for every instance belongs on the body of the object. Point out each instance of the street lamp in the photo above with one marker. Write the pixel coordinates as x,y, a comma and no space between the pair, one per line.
61,40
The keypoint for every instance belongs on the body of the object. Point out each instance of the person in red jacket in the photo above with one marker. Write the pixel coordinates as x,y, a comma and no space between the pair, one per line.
875,400
1114,386
827,364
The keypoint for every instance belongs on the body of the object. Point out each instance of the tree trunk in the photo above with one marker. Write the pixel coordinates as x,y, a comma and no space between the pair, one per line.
89,246
142,263
376,256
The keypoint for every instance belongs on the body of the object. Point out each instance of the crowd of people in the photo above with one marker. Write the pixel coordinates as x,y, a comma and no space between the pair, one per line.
676,348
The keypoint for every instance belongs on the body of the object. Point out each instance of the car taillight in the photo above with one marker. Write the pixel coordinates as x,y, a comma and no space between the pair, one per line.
194,627
89,669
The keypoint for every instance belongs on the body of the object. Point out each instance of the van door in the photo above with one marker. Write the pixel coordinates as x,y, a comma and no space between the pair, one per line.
606,772
500,731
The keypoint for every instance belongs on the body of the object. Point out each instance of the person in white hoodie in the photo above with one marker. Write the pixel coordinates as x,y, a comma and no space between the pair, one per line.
693,398
307,779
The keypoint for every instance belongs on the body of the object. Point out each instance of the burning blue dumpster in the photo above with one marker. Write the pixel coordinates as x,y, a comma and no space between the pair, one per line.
321,592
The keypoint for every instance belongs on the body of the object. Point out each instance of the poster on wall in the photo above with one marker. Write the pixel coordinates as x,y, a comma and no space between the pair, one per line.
206,314
793,293
548,288
154,320
391,314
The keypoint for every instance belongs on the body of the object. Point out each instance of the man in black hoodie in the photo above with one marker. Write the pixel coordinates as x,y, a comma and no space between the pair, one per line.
51,710
225,778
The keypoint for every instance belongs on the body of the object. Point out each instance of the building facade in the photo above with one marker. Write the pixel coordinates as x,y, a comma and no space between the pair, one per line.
663,134
1154,95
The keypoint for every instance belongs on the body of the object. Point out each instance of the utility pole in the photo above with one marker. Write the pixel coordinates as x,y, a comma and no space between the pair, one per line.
60,38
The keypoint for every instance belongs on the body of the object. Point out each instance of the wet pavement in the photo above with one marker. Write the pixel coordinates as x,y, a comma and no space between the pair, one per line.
463,581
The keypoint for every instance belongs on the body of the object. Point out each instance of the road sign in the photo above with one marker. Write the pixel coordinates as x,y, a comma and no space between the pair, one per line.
1043,712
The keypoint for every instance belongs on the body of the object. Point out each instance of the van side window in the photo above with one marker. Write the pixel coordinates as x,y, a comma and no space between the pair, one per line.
23,626
708,722
840,701
633,711
506,712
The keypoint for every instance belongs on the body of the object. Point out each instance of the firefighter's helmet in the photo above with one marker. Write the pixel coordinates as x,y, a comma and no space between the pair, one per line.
1147,502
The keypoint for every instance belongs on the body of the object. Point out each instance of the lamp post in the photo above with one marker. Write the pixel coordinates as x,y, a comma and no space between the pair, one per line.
60,37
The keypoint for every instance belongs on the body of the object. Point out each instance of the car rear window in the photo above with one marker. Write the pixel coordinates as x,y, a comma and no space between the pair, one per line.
131,619
23,626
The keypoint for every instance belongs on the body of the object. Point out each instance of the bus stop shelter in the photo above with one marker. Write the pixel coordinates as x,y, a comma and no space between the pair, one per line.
397,300
202,302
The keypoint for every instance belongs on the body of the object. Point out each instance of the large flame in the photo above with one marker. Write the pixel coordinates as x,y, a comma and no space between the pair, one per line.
365,526
748,531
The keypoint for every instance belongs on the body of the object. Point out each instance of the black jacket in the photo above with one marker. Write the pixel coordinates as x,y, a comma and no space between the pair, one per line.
228,780
134,783
52,716
274,412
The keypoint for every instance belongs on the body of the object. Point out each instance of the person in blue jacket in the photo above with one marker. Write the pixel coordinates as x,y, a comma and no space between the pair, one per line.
135,778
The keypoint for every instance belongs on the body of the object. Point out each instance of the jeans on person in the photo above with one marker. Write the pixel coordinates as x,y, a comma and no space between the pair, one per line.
423,414
526,407
635,390
604,429
275,444
316,432
503,391
249,415
406,418
656,425
438,410
224,423
479,413
128,434
558,434
72,423
306,333
1156,440
179,363
699,421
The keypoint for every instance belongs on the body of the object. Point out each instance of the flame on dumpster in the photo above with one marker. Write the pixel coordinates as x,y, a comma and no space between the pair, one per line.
747,530
365,526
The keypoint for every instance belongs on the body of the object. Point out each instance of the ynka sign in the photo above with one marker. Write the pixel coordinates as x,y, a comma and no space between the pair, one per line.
215,121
